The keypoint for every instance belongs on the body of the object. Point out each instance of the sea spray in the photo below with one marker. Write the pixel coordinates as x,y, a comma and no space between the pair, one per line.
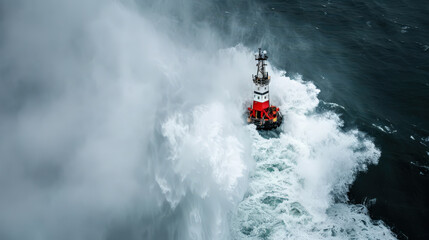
298,189
119,125
119,130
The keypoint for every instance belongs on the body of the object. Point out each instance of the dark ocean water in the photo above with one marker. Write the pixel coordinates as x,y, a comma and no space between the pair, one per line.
83,154
372,58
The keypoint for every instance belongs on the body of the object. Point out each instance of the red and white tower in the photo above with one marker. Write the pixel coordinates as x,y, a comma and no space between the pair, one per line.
264,115
261,96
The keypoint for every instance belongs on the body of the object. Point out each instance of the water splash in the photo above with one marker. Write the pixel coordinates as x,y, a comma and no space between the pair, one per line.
115,127
299,187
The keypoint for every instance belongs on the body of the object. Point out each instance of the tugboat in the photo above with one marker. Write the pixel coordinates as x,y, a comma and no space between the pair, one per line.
262,114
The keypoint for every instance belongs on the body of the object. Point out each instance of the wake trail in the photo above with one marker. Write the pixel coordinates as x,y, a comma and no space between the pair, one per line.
298,189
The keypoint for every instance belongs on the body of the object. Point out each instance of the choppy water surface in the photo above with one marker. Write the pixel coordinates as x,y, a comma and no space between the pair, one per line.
299,185
124,120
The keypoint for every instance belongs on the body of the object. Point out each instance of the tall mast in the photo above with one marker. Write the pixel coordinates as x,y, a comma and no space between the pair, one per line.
262,113
261,76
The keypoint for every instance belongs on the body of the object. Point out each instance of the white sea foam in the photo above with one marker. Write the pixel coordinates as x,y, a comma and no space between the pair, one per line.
130,132
298,189
133,133
385,129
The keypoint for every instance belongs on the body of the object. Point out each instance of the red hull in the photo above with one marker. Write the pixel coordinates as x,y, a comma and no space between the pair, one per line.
260,106
265,119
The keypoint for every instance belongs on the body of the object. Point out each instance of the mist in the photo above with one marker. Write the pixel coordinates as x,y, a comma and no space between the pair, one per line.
103,108
125,120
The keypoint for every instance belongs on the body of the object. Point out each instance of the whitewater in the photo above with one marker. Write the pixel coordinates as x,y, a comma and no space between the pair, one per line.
132,127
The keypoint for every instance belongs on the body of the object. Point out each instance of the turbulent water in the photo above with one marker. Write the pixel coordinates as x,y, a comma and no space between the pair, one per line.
298,188
125,120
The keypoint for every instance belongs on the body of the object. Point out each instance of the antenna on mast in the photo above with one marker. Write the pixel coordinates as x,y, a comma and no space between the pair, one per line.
262,113
261,76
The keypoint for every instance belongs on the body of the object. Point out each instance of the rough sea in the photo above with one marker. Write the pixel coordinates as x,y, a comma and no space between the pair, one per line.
125,119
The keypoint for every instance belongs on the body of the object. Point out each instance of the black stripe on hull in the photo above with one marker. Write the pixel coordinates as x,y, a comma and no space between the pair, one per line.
261,93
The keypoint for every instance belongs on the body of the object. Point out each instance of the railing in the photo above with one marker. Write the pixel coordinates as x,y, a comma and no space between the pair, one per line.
262,81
